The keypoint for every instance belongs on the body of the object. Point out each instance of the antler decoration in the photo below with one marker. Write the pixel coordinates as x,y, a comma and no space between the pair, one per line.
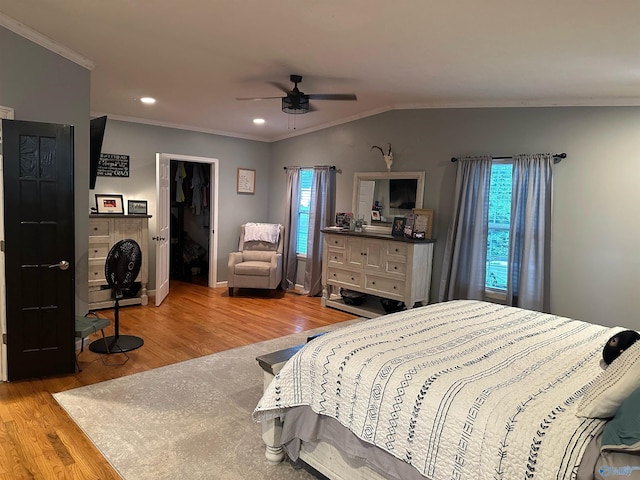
388,158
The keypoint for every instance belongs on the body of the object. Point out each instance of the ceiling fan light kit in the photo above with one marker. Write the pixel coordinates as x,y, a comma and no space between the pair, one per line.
295,105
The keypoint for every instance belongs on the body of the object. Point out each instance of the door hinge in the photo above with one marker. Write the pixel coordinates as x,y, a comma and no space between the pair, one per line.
1,245
4,338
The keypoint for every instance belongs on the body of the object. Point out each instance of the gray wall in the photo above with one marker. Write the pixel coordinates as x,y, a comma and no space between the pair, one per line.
595,265
142,142
42,86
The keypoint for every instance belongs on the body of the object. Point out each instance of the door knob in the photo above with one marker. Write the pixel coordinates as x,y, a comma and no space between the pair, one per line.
63,265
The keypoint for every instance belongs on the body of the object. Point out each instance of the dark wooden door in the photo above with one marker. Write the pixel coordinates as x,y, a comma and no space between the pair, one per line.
39,248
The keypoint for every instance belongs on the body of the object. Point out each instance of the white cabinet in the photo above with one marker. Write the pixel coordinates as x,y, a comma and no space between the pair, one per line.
104,232
382,265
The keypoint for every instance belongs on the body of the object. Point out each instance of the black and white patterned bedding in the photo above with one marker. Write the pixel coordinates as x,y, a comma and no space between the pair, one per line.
461,389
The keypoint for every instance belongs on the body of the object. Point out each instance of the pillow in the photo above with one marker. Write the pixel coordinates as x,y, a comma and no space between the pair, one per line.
622,432
612,386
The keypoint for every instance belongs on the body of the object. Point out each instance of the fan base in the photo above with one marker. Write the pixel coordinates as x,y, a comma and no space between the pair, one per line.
113,344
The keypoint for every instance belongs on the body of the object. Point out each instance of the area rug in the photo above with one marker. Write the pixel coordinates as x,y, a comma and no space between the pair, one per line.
191,420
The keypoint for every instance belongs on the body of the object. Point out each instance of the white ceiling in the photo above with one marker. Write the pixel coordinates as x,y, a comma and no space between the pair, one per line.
196,57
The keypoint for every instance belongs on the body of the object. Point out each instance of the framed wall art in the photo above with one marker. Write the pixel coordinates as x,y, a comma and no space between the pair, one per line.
137,207
246,180
109,203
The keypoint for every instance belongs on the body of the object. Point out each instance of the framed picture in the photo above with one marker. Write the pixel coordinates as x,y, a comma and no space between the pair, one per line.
137,207
422,222
246,180
398,226
375,216
343,219
109,203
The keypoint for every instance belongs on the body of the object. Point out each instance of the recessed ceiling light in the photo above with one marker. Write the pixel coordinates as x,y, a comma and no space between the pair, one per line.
148,100
258,121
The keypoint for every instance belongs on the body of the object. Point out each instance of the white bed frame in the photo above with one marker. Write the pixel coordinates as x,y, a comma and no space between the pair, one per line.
323,456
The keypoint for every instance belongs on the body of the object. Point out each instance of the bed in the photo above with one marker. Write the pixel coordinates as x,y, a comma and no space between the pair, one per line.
461,389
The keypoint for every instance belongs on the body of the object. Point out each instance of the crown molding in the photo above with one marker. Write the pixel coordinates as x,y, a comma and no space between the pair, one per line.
44,41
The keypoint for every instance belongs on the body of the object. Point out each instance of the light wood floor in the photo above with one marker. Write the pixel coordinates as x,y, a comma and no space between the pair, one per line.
37,438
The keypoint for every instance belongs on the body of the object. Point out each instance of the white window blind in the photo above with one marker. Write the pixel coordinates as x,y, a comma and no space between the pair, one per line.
306,176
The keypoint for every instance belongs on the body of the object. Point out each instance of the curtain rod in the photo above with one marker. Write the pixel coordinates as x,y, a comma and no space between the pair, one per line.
333,167
557,157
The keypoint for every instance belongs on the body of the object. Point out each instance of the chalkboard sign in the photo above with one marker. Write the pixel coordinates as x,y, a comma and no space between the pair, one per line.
113,165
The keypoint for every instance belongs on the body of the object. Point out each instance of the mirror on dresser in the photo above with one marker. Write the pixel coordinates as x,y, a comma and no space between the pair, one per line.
396,194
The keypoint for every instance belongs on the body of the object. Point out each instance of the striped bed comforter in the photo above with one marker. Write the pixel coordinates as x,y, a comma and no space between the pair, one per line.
462,389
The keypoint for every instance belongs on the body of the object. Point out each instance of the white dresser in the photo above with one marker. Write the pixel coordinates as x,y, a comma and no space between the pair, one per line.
104,231
382,265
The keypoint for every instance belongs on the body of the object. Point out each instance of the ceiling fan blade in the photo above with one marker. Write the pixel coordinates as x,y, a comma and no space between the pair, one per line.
332,96
255,98
280,86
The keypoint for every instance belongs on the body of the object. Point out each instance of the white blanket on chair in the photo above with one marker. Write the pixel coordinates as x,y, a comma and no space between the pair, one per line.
261,232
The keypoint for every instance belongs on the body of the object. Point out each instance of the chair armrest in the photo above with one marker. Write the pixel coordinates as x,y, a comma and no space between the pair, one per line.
276,270
234,258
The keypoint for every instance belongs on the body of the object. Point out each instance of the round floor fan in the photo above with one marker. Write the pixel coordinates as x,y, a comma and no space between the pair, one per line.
121,269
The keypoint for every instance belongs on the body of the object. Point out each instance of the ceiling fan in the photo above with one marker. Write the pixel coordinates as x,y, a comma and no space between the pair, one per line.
297,102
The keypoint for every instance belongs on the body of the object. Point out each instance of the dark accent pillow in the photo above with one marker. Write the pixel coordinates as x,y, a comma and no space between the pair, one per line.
618,344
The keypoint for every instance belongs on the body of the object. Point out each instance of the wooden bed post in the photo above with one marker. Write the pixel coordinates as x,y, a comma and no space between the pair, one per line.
271,434
271,364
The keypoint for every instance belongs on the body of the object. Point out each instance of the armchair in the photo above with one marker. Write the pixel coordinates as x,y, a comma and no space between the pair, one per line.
258,261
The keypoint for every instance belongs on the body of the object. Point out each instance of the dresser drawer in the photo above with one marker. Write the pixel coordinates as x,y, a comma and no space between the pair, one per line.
99,294
397,267
96,273
98,250
335,241
386,287
99,227
343,277
397,249
335,256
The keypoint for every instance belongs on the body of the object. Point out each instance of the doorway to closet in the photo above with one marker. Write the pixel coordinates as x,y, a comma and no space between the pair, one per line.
190,232
187,247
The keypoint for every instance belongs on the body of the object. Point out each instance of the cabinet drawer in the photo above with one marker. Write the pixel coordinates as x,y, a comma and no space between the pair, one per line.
335,241
399,268
386,287
96,273
98,250
99,227
343,277
397,249
336,257
98,294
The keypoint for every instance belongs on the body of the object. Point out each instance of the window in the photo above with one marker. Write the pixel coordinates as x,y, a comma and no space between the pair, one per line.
306,175
499,223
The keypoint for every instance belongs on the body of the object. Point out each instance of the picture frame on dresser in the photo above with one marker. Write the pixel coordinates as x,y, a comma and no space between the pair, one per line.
422,222
109,203
137,207
398,226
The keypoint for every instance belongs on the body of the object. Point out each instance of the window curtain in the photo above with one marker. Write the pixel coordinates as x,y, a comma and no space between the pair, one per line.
530,234
321,212
465,256
289,257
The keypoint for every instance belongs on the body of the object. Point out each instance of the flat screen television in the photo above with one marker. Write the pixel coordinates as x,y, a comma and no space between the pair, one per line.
402,193
96,135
